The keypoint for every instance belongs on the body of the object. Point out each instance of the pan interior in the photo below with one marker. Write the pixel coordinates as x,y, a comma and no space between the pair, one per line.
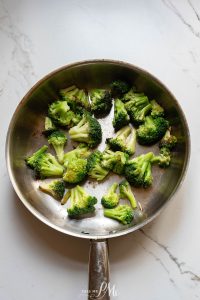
25,136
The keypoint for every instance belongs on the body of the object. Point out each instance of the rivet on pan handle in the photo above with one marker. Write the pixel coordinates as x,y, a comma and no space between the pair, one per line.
98,270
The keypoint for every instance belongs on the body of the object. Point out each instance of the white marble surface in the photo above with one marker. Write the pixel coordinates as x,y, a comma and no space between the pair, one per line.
162,36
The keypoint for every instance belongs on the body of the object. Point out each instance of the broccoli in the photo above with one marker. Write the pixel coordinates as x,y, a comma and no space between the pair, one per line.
80,202
124,140
156,109
74,95
138,170
81,151
48,166
49,126
114,161
121,213
55,188
94,168
88,131
126,193
152,130
131,95
66,197
101,101
32,160
121,117
163,159
60,112
119,88
168,141
58,139
111,199
76,170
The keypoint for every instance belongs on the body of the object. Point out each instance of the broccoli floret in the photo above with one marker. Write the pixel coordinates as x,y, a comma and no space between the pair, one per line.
60,112
168,141
126,193
76,170
101,101
156,109
48,166
121,117
80,202
138,170
81,151
58,139
163,159
32,160
114,161
94,167
124,140
111,199
66,197
55,188
88,131
49,126
152,130
121,213
74,95
119,88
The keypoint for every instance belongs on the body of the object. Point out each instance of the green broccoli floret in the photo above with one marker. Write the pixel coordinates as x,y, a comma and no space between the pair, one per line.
119,88
114,161
55,188
88,131
94,167
121,117
76,170
168,141
111,199
60,112
58,140
49,126
74,95
32,160
138,170
126,193
48,166
124,140
81,151
152,130
163,159
80,202
156,109
121,213
101,101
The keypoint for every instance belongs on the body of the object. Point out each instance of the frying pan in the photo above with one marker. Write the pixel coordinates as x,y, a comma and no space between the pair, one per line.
25,136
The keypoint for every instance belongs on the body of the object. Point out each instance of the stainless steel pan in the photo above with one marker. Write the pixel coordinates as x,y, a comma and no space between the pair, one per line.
25,136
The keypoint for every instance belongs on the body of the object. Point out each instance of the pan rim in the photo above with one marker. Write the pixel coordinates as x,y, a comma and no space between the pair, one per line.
42,218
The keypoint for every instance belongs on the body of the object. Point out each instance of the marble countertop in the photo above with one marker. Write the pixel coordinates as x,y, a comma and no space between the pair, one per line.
162,261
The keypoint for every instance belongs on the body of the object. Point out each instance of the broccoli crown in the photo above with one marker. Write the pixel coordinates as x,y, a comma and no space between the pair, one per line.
124,140
114,161
168,141
31,161
94,168
119,88
156,109
49,126
88,131
126,193
152,130
121,117
163,159
138,170
58,139
81,151
121,213
76,170
111,199
55,188
60,112
80,202
48,166
101,101
74,95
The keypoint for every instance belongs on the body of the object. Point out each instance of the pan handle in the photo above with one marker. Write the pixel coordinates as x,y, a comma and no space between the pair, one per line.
98,270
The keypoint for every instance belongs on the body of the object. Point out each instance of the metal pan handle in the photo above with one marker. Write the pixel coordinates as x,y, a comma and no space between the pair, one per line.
98,270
